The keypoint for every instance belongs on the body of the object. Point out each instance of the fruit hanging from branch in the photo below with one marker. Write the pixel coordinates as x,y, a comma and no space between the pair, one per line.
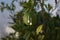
30,18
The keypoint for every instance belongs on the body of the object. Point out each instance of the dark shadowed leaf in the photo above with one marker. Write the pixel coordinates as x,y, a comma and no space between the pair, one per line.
49,7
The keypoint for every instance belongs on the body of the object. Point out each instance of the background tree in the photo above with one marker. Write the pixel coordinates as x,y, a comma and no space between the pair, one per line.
32,25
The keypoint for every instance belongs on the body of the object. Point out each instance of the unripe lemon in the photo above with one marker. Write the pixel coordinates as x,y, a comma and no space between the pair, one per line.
30,18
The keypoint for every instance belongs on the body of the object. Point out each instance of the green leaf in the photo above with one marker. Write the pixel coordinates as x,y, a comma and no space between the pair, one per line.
15,27
43,1
27,35
2,3
49,7
21,38
57,28
24,4
13,7
2,9
41,37
27,5
39,29
55,1
8,7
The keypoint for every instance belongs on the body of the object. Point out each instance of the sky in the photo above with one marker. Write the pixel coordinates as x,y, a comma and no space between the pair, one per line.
4,28
4,18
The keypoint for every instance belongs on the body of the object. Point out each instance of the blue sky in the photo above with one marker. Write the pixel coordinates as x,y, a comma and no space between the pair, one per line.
4,28
4,15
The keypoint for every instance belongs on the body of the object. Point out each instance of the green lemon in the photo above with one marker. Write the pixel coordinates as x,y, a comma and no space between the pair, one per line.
39,29
30,18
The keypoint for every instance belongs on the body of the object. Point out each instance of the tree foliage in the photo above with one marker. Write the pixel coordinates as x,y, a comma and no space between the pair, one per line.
31,25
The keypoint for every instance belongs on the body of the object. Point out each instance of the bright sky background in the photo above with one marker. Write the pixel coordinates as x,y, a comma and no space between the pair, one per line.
5,15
